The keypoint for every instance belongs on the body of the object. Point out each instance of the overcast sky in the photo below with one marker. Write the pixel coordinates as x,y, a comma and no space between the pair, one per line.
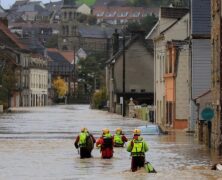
7,3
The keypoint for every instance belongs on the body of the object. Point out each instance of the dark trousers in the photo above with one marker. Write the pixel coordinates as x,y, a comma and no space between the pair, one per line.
137,162
85,153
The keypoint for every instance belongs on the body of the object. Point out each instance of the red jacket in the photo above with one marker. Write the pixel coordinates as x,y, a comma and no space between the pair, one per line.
106,151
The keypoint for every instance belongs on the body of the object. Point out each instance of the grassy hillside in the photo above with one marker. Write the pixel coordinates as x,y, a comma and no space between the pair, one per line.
88,2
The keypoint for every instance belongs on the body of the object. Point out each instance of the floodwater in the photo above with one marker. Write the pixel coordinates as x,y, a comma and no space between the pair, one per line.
38,144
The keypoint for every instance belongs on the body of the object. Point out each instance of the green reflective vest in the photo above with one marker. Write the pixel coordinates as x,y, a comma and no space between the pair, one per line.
118,139
138,148
82,138
107,135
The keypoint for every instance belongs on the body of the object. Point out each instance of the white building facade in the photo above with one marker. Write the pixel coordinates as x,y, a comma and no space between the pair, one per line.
35,82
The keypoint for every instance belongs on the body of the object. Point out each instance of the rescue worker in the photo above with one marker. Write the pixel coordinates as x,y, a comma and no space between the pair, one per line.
105,143
119,138
137,146
85,141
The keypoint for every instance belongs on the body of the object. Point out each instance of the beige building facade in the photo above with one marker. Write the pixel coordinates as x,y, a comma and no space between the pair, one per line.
173,25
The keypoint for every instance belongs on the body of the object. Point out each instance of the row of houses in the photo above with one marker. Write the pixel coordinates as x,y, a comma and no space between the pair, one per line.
111,12
30,71
122,15
182,63
181,74
34,69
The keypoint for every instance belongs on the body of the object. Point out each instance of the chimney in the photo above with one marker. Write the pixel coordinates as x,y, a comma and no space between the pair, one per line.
115,42
4,20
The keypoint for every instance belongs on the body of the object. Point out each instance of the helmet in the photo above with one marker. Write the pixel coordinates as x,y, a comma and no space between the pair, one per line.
84,129
118,129
105,130
137,131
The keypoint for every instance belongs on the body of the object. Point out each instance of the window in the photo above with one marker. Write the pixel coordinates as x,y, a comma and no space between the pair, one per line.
122,14
65,15
63,30
143,90
133,90
67,30
73,30
170,60
70,15
100,14
135,14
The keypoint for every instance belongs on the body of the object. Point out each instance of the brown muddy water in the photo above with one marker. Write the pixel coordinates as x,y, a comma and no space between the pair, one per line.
38,144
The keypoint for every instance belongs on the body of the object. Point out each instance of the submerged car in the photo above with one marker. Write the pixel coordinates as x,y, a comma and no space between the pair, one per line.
151,129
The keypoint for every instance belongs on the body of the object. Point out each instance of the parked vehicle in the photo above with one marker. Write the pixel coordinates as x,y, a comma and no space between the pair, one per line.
151,129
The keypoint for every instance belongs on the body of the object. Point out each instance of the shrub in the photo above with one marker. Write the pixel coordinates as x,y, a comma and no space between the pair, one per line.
99,99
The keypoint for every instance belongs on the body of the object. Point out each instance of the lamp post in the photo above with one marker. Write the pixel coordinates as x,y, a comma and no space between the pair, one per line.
2,65
124,74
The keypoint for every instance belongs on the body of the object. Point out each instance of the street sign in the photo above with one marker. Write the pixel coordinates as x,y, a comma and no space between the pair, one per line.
207,113
121,100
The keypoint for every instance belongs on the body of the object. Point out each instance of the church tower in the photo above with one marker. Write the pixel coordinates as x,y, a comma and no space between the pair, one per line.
68,36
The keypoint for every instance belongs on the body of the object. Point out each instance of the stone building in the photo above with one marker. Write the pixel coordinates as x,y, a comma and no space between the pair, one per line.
216,82
69,37
138,74
200,55
75,35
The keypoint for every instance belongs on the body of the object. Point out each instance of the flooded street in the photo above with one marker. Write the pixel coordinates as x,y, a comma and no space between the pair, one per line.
38,144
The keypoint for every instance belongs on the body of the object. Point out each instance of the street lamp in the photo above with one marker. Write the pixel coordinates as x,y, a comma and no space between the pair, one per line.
2,65
124,74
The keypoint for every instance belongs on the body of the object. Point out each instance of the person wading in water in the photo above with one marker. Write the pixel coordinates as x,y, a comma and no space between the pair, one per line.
85,141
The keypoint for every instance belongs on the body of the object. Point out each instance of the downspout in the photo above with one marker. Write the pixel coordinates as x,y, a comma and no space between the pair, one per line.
155,121
190,63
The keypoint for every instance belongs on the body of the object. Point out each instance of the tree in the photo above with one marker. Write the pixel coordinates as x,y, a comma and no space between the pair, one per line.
146,24
91,20
137,2
60,86
52,42
99,98
8,80
87,19
91,71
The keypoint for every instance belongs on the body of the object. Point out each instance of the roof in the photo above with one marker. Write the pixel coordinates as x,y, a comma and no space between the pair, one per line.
96,31
19,3
57,57
126,12
173,12
31,6
110,3
174,23
1,9
36,25
12,39
128,44
69,3
67,55
33,44
58,63
54,6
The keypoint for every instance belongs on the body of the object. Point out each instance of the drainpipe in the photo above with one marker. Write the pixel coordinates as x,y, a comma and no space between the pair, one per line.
155,121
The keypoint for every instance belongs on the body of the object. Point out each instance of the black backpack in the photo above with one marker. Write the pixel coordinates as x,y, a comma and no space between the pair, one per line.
89,143
107,142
